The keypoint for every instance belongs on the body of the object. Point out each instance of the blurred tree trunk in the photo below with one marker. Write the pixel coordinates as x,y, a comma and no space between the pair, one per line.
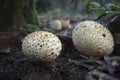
17,13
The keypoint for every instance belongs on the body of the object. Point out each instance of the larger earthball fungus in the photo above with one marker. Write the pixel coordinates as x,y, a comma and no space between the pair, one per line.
42,46
92,39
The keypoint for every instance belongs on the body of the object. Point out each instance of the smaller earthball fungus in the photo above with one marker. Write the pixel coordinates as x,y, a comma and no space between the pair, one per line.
56,25
66,24
42,46
92,39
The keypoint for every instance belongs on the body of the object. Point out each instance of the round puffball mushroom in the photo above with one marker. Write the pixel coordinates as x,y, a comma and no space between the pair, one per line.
92,39
66,24
42,46
56,25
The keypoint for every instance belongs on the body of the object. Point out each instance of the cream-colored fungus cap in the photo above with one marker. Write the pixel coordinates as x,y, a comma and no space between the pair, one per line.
41,45
91,38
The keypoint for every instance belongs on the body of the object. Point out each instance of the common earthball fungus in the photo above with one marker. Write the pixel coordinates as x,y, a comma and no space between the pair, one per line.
92,39
66,24
56,25
42,46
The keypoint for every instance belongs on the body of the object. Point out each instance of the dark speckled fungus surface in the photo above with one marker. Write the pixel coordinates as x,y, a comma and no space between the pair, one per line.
41,45
91,38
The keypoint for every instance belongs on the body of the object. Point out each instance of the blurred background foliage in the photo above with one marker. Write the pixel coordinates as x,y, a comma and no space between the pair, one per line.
76,8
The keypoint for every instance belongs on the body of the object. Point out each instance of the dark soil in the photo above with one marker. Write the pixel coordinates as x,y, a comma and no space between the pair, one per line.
16,66
68,66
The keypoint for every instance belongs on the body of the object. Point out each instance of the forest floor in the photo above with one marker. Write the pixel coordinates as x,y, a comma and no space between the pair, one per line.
68,66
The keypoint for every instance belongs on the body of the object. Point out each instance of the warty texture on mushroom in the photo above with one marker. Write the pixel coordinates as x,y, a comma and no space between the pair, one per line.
92,39
42,46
